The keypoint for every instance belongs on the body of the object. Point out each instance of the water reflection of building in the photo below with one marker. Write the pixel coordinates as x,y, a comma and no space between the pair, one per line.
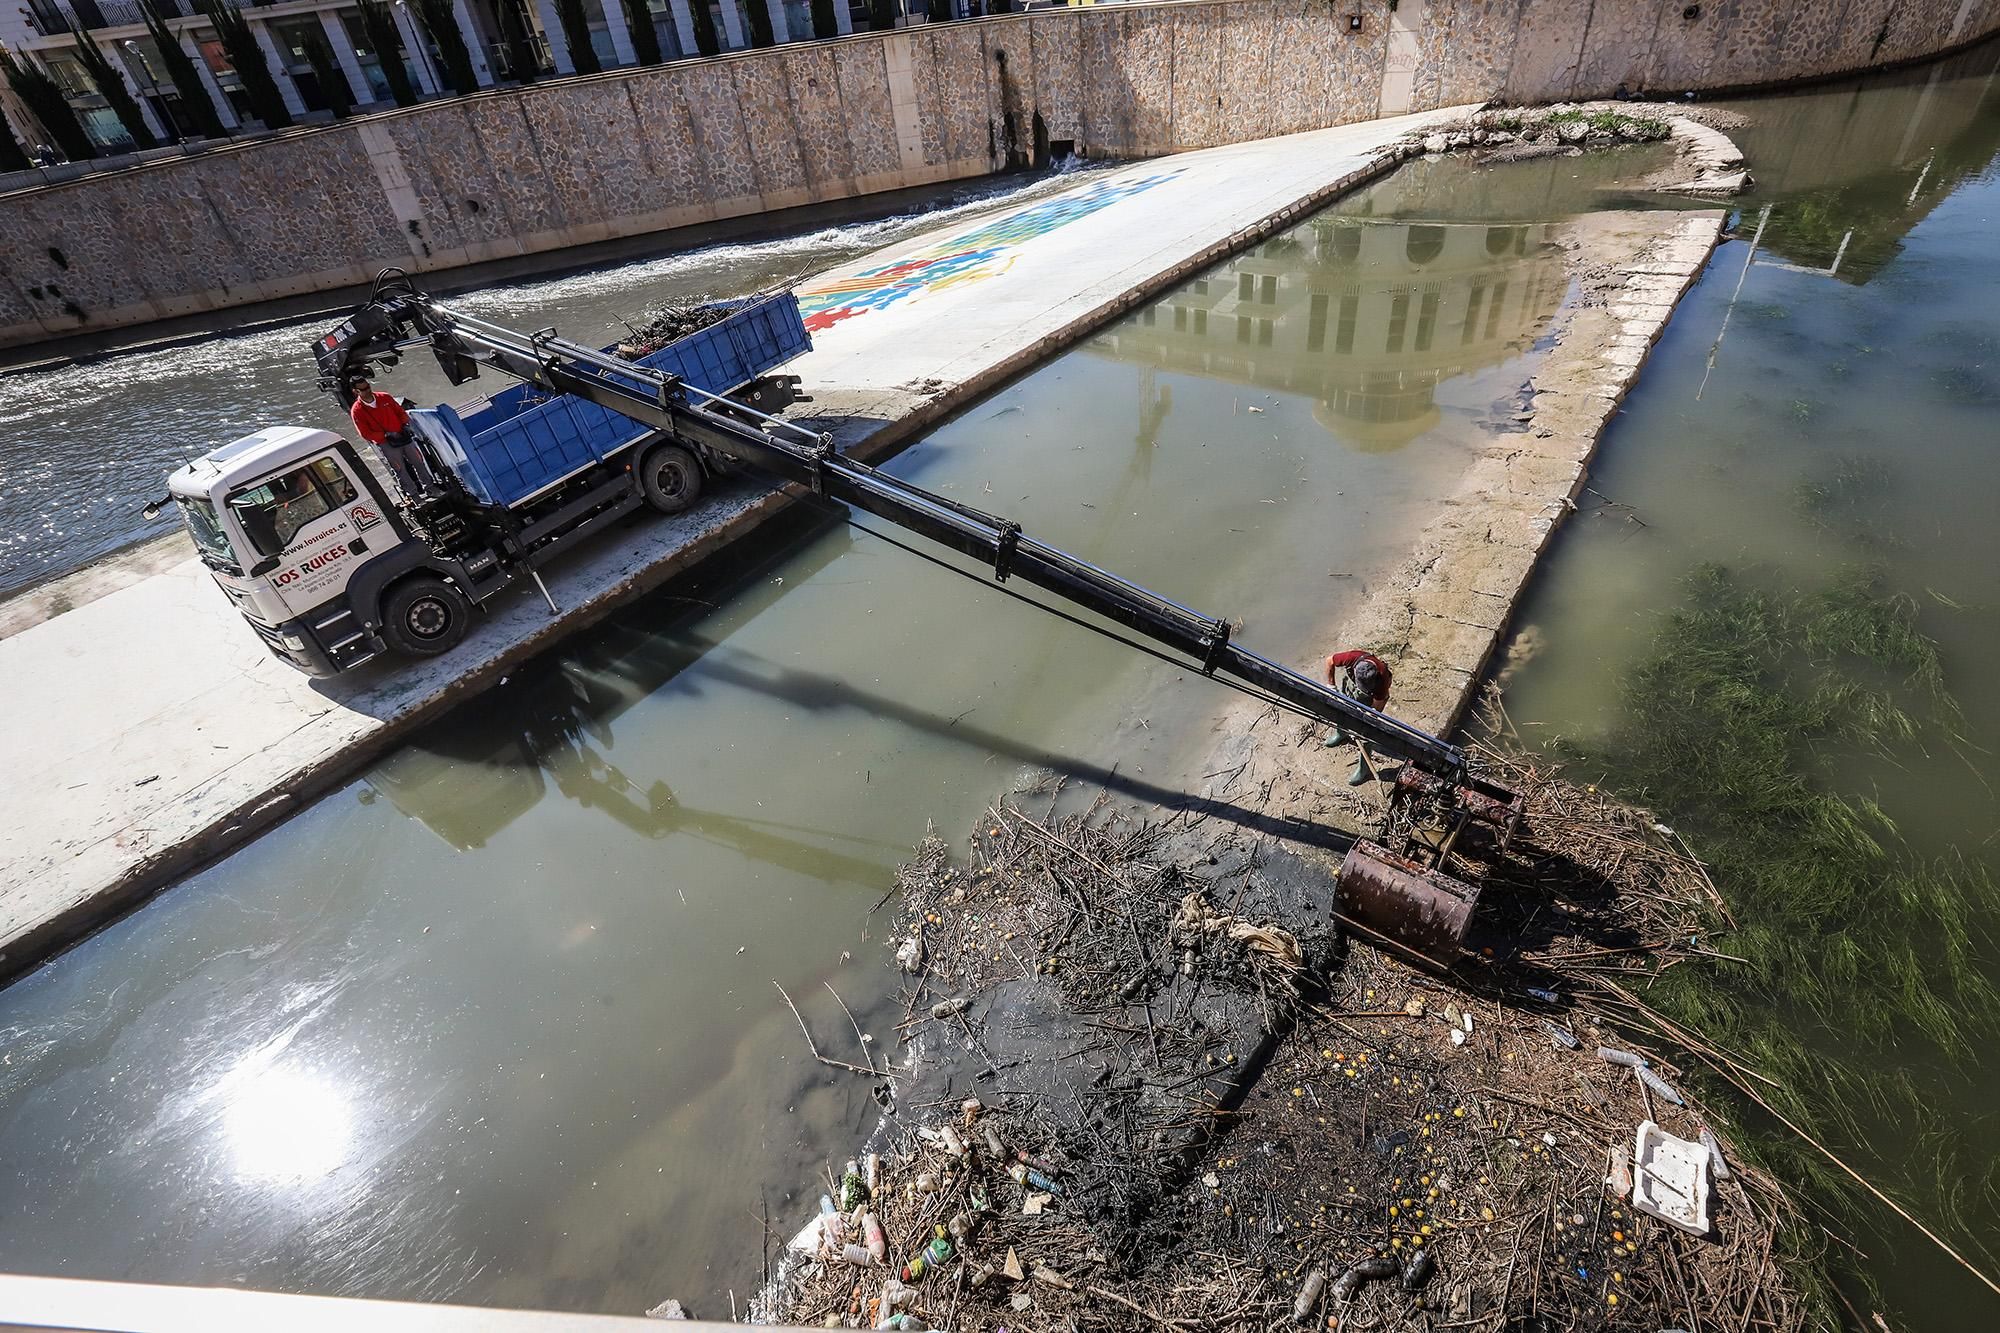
1367,318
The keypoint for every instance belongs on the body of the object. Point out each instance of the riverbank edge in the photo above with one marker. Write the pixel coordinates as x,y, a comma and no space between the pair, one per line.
40,919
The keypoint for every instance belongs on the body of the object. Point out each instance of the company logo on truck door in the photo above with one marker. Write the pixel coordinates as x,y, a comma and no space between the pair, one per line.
316,561
364,517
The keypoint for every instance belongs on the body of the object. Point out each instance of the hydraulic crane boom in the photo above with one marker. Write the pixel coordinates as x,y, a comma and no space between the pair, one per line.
395,322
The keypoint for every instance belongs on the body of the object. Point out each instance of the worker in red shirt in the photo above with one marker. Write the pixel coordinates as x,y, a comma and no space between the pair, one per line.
382,422
1363,677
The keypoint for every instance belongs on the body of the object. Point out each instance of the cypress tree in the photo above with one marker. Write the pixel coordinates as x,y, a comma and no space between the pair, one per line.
760,23
441,26
44,97
520,51
825,26
645,37
576,33
379,25
111,87
196,105
13,157
705,39
328,75
233,30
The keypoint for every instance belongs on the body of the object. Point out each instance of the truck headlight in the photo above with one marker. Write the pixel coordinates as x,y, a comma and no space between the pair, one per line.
293,642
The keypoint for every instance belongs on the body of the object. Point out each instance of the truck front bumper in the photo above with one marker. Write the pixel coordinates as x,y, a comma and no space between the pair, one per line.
324,642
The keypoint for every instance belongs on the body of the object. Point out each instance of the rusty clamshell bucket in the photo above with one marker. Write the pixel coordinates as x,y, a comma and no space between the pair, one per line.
1421,915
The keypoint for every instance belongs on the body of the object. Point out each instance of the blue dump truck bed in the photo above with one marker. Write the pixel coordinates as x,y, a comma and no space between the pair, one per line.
513,446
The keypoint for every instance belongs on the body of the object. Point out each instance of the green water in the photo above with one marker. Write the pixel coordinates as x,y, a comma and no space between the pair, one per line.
1826,401
497,1021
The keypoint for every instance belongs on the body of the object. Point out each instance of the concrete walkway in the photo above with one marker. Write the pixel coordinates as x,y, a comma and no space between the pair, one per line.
149,729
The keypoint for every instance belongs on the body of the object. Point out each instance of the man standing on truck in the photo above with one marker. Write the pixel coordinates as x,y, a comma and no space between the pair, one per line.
384,424
1363,677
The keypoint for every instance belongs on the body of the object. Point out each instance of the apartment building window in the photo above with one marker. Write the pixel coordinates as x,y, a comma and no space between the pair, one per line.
1246,286
1316,323
1350,311
1493,309
1399,320
1201,321
1472,305
1427,318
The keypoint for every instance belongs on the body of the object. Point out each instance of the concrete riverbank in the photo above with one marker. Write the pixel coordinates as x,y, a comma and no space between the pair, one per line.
154,732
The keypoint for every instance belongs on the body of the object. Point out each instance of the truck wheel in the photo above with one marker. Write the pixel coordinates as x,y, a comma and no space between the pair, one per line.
425,616
670,478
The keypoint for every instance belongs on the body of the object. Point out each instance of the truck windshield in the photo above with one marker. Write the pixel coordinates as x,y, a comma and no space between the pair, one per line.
273,512
206,529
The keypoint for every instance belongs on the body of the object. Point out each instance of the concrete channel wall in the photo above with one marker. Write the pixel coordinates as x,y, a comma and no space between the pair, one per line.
527,171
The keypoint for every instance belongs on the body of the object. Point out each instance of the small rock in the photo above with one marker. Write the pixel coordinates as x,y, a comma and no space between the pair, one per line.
667,1310
1012,1268
1500,136
1049,1277
1572,131
1032,1205
1457,141
1414,1006
1211,1180
1434,143
1022,1302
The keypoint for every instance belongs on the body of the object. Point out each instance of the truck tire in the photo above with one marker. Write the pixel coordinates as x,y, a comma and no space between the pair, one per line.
669,478
425,616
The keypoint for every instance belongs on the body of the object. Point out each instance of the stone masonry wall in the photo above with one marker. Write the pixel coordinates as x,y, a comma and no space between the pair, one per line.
519,172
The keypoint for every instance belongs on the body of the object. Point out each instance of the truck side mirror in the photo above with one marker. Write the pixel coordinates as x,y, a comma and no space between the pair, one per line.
265,566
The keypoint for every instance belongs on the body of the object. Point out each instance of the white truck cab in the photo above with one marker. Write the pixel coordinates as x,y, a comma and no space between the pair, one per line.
300,535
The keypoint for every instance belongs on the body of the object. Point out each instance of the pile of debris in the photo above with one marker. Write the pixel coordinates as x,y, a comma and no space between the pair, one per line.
1516,134
670,323
1154,1085
1706,161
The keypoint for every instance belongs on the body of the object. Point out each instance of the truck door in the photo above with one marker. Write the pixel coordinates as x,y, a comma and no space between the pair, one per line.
320,523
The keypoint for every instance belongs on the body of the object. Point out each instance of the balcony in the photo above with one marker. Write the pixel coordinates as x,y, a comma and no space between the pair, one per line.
53,18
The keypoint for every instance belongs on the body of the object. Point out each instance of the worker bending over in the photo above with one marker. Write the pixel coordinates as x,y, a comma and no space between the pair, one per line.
1363,677
384,424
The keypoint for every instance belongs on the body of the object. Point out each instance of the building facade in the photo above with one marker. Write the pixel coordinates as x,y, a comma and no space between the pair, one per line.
45,31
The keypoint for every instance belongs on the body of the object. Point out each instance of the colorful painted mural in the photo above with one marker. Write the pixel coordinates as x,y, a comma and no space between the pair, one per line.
967,257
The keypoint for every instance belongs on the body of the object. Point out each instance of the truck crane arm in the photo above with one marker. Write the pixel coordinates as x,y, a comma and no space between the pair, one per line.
399,318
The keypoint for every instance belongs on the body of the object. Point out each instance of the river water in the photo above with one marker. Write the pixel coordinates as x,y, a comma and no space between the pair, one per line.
498,1020
1824,401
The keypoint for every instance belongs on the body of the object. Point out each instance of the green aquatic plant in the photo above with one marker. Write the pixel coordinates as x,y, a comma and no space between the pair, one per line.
1858,957
1969,386
1846,500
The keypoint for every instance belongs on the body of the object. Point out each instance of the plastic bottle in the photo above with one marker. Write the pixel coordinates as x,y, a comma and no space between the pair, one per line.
1659,1085
1612,1056
831,1229
993,1143
857,1255
872,1172
871,1233
1027,1175
1545,996
931,1256
953,1144
852,1189
1715,1162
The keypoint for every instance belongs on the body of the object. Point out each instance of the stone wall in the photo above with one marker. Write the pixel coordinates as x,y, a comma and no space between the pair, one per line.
511,173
